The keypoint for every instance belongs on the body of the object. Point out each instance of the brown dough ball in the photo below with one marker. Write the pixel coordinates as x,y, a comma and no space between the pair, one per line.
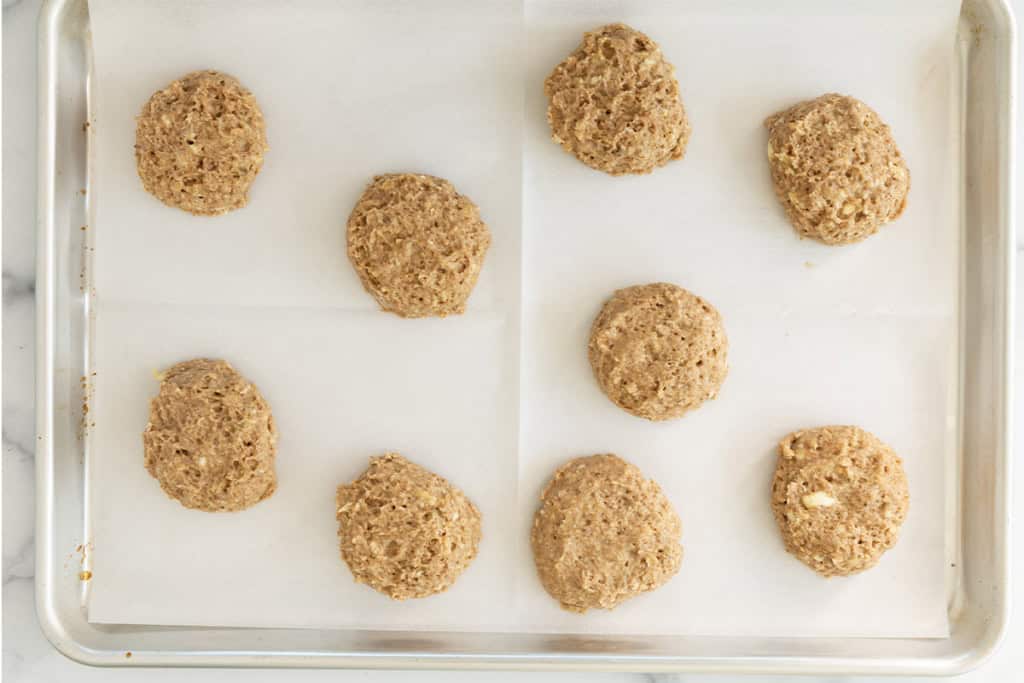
199,143
839,496
417,245
405,531
211,439
614,103
604,534
836,169
658,351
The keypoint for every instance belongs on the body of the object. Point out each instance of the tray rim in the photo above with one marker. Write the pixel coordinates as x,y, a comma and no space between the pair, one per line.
60,631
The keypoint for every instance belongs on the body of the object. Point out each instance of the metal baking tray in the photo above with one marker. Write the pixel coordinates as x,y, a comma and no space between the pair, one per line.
978,499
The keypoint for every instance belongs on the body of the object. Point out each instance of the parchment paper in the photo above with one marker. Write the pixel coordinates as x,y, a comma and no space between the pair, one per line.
864,334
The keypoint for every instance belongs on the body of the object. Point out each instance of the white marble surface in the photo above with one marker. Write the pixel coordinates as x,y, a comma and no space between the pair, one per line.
27,656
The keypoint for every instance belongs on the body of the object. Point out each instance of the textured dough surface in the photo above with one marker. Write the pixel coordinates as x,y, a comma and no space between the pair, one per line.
836,169
658,351
199,143
211,438
417,245
405,531
839,496
604,534
614,103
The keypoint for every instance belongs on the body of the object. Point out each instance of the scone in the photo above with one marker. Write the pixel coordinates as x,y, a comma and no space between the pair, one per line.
614,103
417,245
836,169
211,440
604,534
839,496
199,143
405,531
658,351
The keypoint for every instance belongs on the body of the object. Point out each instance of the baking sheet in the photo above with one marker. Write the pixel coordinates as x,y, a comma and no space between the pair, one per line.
863,334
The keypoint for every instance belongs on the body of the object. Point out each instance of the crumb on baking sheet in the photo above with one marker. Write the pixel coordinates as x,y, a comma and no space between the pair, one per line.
977,31
83,550
84,424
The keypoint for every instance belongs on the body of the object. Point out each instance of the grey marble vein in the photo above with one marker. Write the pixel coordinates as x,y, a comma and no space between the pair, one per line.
18,509
20,565
17,287
24,452
18,368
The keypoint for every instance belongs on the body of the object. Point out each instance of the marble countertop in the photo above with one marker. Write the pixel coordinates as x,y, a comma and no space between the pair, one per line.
27,656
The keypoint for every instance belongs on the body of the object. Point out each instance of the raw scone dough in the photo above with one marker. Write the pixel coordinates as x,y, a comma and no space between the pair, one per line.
614,103
211,439
199,143
405,531
839,496
658,351
836,169
604,534
417,245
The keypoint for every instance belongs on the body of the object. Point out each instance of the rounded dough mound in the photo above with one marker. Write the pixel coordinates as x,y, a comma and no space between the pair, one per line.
417,245
211,439
199,143
839,496
658,351
405,531
614,103
836,169
604,534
